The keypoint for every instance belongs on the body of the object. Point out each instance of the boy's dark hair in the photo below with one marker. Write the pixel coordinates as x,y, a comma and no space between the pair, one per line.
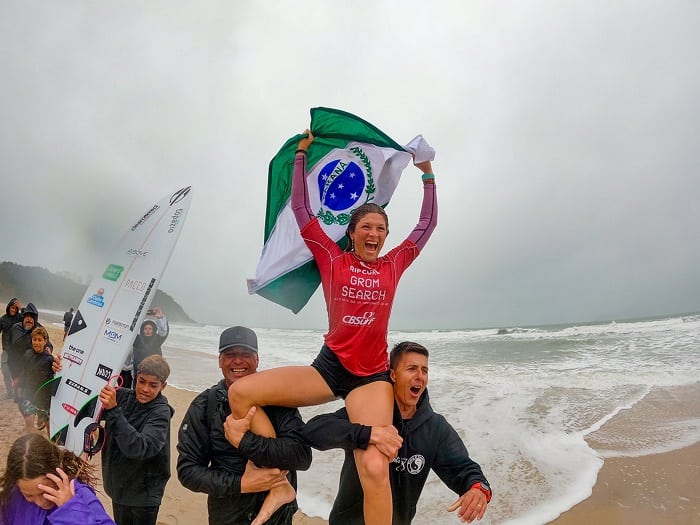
155,365
404,347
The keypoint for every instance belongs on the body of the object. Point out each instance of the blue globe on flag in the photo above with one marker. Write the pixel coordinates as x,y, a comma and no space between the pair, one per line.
340,184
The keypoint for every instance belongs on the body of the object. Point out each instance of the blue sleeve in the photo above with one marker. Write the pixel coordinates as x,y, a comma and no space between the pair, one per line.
83,508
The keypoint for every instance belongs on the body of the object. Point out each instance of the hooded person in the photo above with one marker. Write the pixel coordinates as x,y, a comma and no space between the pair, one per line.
13,315
150,339
21,340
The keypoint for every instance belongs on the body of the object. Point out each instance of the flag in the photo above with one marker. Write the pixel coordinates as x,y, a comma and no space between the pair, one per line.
350,163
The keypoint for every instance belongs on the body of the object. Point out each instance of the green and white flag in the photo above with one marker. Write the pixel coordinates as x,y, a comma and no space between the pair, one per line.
350,162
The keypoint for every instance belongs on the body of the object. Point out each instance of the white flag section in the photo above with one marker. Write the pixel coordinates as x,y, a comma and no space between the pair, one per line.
350,162
335,189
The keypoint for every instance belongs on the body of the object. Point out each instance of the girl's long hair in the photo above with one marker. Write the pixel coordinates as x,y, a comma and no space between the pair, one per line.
32,456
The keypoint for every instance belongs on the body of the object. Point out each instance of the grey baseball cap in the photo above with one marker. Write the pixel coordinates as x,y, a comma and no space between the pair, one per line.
238,336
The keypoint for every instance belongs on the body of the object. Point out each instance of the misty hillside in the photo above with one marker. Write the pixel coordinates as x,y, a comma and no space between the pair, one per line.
55,292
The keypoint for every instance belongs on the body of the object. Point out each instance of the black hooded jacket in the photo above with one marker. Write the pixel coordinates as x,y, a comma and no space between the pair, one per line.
208,463
136,453
6,322
429,442
21,340
151,345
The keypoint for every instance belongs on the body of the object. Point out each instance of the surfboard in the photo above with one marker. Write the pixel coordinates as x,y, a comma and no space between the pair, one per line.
109,317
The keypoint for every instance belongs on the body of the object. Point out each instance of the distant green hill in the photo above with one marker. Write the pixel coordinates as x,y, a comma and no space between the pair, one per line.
55,292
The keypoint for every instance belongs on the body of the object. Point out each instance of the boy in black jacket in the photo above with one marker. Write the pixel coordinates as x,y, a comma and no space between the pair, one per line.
425,441
34,389
136,453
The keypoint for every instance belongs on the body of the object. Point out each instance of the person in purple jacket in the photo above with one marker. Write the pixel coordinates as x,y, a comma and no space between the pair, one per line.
44,484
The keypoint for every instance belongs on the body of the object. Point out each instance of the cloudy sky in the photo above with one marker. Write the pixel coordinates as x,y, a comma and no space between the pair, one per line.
566,134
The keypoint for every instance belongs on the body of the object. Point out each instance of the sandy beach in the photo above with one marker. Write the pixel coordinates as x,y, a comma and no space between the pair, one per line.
660,489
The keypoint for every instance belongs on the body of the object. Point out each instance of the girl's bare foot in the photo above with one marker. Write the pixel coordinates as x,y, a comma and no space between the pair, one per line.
277,497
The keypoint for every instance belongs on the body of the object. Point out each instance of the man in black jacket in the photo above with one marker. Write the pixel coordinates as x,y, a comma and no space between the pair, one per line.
21,340
237,478
429,442
136,453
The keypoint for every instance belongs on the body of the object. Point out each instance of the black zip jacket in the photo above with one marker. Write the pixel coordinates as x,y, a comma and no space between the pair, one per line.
136,453
6,322
208,463
429,442
21,340
37,371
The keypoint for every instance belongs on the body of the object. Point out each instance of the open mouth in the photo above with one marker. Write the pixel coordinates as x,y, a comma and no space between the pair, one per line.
415,390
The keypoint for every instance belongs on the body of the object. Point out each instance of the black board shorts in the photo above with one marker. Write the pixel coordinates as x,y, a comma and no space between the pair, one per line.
340,381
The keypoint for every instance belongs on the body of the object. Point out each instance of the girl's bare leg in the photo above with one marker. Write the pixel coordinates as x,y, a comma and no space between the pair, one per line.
373,404
290,386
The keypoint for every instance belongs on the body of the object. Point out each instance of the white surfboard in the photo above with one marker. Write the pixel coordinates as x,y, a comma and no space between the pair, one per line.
109,318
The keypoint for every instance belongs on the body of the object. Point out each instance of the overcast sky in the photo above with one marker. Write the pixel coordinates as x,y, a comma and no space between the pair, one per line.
567,138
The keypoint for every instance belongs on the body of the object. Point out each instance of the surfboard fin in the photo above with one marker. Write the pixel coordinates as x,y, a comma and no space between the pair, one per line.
94,439
87,410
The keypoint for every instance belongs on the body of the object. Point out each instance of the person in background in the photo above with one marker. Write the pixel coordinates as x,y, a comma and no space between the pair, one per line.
136,453
150,339
20,341
34,389
207,462
67,320
13,315
429,442
44,484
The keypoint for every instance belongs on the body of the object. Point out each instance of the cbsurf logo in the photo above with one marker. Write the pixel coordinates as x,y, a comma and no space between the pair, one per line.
344,183
366,319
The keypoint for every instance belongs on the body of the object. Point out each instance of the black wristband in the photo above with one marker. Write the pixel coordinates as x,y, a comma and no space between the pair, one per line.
300,151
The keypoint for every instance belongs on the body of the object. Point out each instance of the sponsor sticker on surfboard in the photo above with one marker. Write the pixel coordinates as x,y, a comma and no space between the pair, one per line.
109,316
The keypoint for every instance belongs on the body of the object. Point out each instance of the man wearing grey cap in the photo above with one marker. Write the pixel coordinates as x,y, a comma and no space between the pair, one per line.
237,479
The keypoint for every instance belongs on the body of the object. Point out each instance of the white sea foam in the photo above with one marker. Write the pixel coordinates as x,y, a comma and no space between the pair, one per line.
523,401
